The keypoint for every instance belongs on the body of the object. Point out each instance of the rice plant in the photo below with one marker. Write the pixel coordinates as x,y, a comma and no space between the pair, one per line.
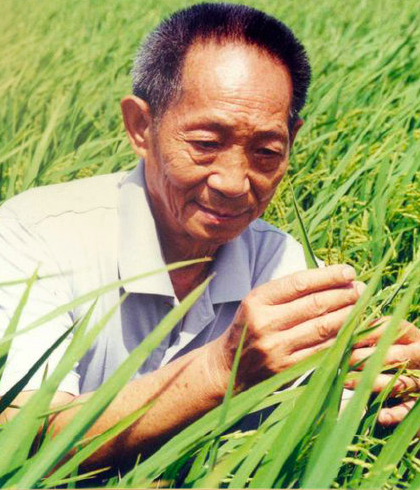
354,168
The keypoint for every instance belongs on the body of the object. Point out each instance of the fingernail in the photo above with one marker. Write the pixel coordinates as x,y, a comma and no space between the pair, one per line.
348,272
360,287
386,419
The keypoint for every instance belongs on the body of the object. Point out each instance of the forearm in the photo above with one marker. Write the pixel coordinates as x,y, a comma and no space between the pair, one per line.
182,391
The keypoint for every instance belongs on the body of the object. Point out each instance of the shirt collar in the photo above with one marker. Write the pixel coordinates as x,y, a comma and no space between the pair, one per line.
140,252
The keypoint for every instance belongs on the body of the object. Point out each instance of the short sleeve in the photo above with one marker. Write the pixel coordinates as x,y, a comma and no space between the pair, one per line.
22,251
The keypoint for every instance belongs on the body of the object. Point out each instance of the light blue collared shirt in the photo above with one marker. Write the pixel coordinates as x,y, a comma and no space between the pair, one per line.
92,232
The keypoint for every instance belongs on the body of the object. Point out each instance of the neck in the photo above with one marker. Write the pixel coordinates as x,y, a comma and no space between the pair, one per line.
176,249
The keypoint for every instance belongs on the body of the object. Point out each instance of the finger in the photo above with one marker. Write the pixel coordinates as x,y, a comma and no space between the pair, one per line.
393,415
397,355
315,331
409,333
403,384
304,353
304,282
314,306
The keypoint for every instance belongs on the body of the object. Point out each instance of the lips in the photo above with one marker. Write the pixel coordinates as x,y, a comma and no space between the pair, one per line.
221,213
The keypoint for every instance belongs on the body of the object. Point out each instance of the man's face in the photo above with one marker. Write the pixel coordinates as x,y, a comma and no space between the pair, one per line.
219,151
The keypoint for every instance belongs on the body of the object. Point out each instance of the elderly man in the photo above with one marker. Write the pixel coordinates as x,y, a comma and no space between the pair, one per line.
217,92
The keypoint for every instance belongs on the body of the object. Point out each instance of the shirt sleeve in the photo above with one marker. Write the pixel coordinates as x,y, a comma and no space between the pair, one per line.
22,252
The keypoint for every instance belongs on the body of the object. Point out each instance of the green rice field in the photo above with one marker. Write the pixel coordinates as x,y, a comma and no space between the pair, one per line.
355,168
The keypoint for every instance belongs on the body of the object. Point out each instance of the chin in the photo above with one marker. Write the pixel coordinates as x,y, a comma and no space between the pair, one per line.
215,236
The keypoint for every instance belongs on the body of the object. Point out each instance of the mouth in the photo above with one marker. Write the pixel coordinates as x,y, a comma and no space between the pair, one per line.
221,215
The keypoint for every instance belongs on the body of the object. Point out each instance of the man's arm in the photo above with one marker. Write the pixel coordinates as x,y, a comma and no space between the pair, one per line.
184,390
287,319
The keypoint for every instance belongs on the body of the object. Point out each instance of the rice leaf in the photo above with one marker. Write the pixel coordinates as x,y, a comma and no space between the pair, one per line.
310,258
82,454
198,467
42,146
332,409
199,431
91,296
14,321
18,433
394,450
206,481
50,455
11,394
260,444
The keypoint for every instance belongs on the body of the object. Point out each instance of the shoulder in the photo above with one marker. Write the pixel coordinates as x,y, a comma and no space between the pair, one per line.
272,252
81,196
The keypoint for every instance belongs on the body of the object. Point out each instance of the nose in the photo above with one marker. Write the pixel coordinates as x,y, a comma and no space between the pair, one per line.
230,176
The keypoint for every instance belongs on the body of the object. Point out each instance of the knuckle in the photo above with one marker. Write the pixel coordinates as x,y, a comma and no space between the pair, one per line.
353,295
274,364
299,282
248,306
323,328
251,298
317,306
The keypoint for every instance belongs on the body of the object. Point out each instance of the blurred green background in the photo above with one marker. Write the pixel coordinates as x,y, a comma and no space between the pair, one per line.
65,65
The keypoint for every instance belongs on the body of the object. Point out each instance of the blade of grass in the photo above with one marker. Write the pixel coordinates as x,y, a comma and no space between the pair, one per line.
394,450
80,478
206,481
198,467
42,434
331,413
310,258
50,455
42,146
18,433
415,483
11,394
198,432
86,451
279,397
92,295
368,424
14,321
258,446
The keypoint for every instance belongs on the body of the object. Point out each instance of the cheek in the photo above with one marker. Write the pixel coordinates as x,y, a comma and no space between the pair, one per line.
182,172
265,185
180,183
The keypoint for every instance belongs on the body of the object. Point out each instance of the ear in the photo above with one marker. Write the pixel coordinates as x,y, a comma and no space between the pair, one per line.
295,129
137,122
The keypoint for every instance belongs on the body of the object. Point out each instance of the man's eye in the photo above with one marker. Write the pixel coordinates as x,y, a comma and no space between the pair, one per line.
267,152
205,145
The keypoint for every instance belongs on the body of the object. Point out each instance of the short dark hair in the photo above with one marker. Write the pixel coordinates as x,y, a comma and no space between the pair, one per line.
158,65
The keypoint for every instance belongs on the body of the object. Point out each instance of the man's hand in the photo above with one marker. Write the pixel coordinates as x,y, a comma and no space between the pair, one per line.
287,320
405,352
